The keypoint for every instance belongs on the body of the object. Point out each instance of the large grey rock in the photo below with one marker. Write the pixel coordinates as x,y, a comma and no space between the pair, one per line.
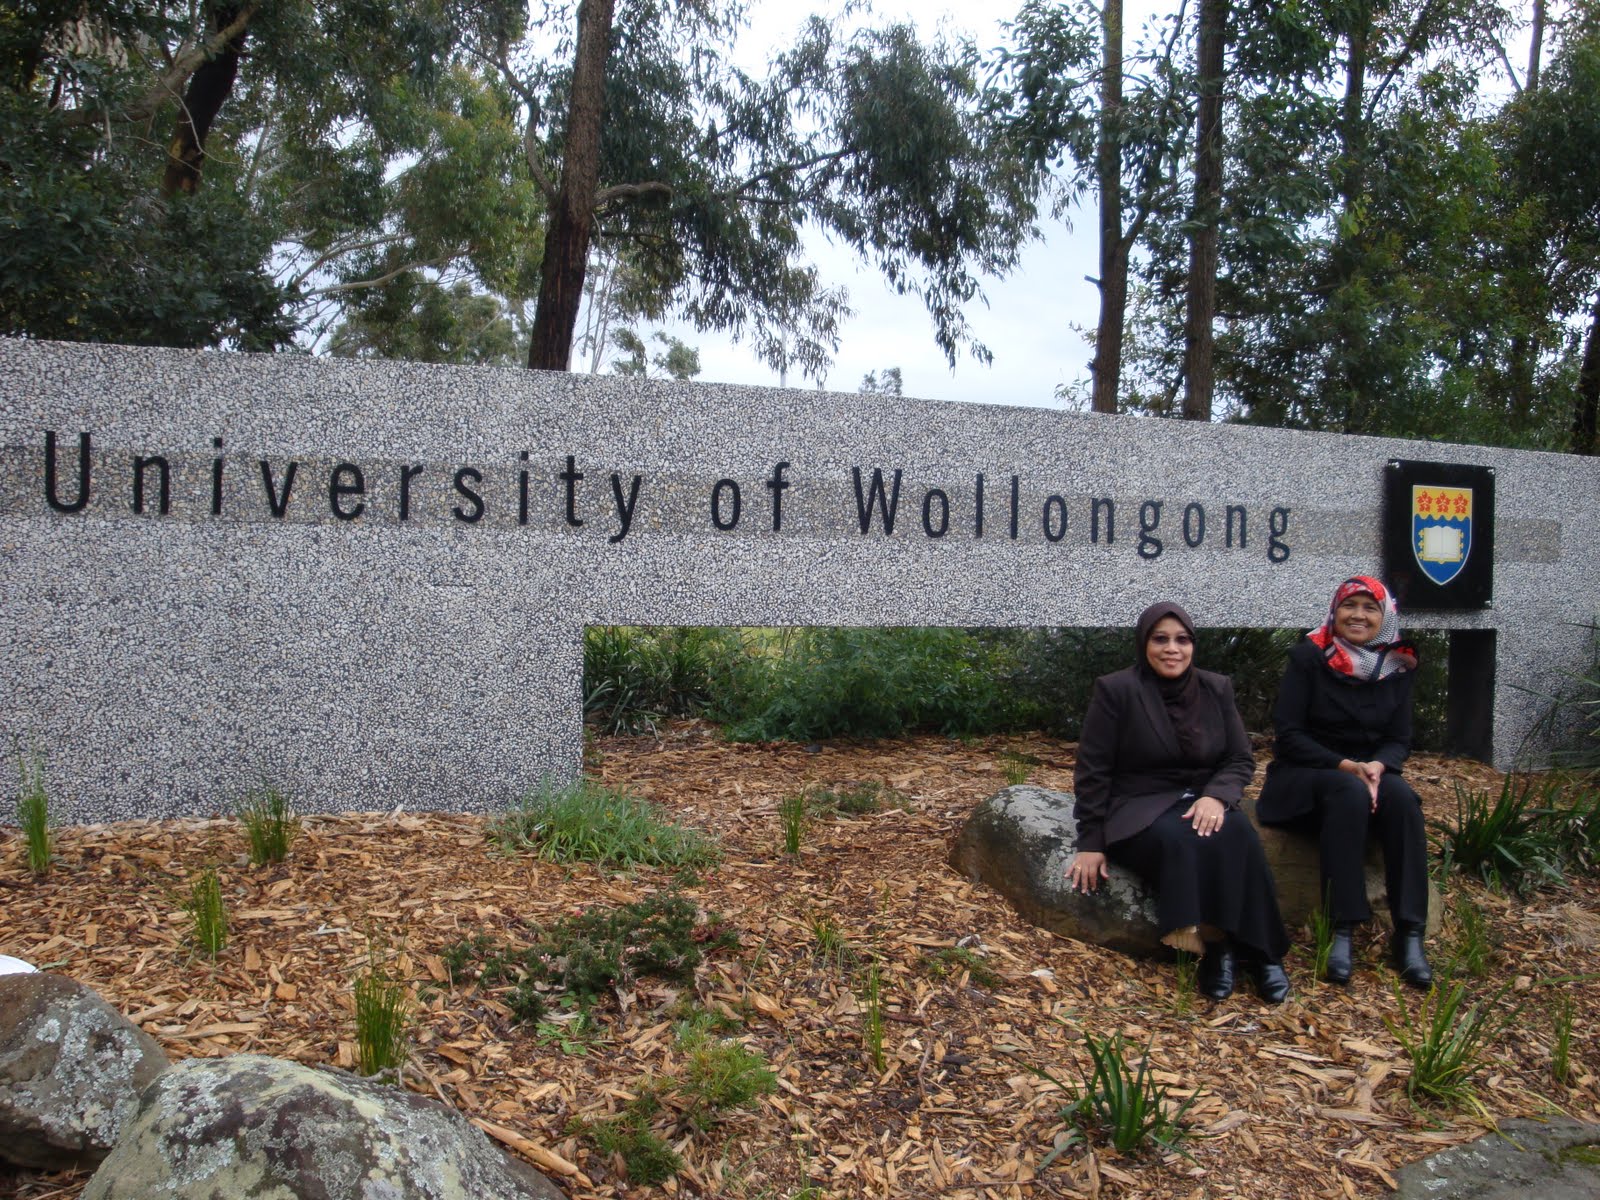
1553,1160
1020,840
71,1070
255,1128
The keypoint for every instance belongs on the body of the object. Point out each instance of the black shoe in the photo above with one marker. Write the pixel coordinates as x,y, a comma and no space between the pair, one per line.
1272,982
1215,978
1340,955
1407,957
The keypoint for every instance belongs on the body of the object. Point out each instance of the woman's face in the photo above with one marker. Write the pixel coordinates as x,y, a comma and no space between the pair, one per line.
1358,619
1170,649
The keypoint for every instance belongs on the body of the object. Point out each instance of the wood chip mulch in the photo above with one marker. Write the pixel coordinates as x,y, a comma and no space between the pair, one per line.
1307,1100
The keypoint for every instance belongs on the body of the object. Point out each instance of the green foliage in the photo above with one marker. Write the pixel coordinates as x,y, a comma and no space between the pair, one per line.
1512,840
1446,1044
677,361
720,1075
588,822
1125,1106
1186,973
645,1154
879,683
420,320
829,947
382,1014
792,812
1016,767
1321,936
589,954
208,914
872,1027
1561,1040
270,824
33,813
1573,718
958,960
633,677
1473,944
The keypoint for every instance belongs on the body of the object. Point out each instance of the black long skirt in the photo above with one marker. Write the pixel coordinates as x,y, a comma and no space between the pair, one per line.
1222,880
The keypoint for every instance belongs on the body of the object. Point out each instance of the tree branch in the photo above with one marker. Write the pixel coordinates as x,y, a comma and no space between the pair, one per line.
530,132
632,191
170,85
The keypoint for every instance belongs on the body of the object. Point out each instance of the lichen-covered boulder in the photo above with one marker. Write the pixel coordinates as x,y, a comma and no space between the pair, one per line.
71,1070
254,1128
1019,841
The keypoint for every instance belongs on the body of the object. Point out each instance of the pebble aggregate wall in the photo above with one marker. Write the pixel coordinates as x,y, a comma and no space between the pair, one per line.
370,579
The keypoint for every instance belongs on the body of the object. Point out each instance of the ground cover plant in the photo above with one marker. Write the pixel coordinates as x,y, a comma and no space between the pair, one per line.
33,813
270,824
1308,1100
208,914
589,822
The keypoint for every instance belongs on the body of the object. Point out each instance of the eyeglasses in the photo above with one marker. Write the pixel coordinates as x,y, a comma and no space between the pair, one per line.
1171,639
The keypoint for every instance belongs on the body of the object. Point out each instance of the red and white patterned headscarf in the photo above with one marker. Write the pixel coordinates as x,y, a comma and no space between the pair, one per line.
1384,655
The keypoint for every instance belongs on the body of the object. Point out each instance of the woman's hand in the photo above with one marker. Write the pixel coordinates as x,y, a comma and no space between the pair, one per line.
1086,870
1206,813
1369,773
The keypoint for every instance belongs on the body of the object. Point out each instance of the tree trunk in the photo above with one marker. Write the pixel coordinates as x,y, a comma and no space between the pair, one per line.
1107,365
1199,370
1585,425
1535,46
566,242
209,88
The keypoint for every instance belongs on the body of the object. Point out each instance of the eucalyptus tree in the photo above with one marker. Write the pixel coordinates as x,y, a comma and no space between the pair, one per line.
649,143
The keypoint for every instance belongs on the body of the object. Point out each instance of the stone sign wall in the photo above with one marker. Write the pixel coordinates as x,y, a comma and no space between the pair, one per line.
368,581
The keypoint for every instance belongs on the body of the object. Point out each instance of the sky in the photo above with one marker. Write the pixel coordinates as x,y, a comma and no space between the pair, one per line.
1033,319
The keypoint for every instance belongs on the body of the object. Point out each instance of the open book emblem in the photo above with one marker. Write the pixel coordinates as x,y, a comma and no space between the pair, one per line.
1441,530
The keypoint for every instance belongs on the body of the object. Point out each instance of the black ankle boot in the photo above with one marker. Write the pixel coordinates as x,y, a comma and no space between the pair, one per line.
1215,977
1407,957
1340,954
1272,982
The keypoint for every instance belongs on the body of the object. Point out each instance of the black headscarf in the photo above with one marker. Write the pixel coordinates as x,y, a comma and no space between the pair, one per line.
1181,695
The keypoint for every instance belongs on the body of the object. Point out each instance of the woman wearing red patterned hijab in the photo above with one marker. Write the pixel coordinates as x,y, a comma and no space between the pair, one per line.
1343,723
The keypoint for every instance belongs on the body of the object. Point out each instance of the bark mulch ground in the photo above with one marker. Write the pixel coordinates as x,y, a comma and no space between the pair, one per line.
1304,1100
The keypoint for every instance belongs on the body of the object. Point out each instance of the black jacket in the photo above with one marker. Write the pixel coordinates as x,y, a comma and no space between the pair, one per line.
1322,718
1130,769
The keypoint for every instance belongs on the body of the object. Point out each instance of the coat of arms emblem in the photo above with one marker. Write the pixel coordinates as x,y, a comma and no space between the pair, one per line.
1441,530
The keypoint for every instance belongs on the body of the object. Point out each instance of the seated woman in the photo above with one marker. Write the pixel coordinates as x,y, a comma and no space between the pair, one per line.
1162,764
1343,721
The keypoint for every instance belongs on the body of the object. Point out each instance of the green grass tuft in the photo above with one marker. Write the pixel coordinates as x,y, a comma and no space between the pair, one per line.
33,813
956,960
588,822
792,812
383,1014
872,1027
269,823
1125,1106
1513,840
208,915
1446,1044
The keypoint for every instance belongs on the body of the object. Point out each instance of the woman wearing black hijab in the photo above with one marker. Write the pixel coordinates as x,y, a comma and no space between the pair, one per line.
1162,764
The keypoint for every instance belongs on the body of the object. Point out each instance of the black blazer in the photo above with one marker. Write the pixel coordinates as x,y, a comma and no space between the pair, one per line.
1130,769
1322,718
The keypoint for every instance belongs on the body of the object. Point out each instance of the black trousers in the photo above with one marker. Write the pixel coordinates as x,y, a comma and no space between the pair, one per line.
1222,880
1342,820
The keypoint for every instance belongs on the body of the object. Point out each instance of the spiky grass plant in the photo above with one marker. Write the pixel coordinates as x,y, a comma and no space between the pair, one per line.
33,813
872,1026
829,947
382,1011
1473,943
588,822
270,824
1322,935
1121,1103
1513,840
793,811
208,914
1446,1043
720,1075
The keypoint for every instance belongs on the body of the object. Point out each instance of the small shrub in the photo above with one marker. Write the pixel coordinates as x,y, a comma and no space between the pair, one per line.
860,799
383,1014
588,822
633,678
269,823
1127,1107
792,812
953,960
33,813
645,1154
1445,1044
872,1028
1509,841
719,1076
208,915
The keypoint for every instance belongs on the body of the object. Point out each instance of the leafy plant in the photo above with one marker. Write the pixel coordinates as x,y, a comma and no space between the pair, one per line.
1561,1042
792,812
635,677
1445,1043
589,822
383,1013
1473,943
33,813
208,915
269,823
1510,840
872,1028
953,960
1127,1106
